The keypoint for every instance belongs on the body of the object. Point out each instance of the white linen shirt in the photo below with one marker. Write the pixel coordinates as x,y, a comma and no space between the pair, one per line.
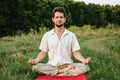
59,50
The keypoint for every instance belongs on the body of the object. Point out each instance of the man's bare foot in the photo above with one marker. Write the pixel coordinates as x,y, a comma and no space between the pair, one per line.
70,67
61,71
61,74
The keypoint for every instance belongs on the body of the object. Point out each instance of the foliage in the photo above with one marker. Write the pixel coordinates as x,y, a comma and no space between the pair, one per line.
24,15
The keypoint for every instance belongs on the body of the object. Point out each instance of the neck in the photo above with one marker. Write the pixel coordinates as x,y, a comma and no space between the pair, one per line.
59,30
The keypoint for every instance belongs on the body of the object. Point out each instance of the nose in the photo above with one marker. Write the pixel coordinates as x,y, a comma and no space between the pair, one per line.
59,18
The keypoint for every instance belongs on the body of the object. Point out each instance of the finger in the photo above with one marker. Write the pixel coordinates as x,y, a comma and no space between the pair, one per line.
29,61
88,59
33,62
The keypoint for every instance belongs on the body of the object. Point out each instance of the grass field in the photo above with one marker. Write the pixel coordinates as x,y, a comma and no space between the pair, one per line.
102,45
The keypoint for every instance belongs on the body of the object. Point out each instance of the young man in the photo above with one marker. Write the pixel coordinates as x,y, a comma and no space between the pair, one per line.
60,44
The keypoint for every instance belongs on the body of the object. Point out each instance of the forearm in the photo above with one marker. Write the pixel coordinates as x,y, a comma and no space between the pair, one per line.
40,56
78,56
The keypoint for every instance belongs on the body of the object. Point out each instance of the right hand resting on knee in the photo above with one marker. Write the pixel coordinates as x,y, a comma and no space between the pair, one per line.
32,61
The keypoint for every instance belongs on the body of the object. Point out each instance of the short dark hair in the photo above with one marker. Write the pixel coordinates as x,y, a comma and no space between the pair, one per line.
59,9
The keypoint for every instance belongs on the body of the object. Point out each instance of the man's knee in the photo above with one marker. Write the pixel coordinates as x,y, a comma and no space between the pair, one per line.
86,68
44,68
35,68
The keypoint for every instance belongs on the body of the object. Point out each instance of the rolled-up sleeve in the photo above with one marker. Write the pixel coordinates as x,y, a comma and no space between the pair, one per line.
44,45
75,44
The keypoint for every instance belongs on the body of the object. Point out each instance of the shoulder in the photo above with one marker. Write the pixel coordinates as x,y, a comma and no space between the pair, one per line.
70,33
48,33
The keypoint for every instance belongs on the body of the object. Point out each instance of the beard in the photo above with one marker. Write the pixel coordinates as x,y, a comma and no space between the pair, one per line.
59,26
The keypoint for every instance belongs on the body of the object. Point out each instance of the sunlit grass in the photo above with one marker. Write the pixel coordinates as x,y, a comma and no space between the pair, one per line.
102,45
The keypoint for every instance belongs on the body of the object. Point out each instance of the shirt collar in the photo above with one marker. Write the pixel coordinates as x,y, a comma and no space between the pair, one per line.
65,33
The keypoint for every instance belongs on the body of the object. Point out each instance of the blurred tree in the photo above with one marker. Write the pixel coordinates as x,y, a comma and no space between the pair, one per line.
22,15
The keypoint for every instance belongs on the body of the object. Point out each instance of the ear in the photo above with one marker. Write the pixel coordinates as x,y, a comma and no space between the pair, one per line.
53,19
65,20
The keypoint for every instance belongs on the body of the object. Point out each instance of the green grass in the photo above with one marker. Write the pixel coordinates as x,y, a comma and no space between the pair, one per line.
102,45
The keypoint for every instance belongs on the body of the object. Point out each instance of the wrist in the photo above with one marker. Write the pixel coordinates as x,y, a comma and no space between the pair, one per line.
37,60
83,60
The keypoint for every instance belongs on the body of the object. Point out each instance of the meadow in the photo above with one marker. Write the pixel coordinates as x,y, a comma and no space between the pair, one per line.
102,45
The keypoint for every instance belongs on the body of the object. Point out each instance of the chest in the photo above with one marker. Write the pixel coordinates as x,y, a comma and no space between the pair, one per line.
64,41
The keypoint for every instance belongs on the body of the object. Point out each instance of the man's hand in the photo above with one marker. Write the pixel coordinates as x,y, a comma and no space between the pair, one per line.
32,61
87,61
